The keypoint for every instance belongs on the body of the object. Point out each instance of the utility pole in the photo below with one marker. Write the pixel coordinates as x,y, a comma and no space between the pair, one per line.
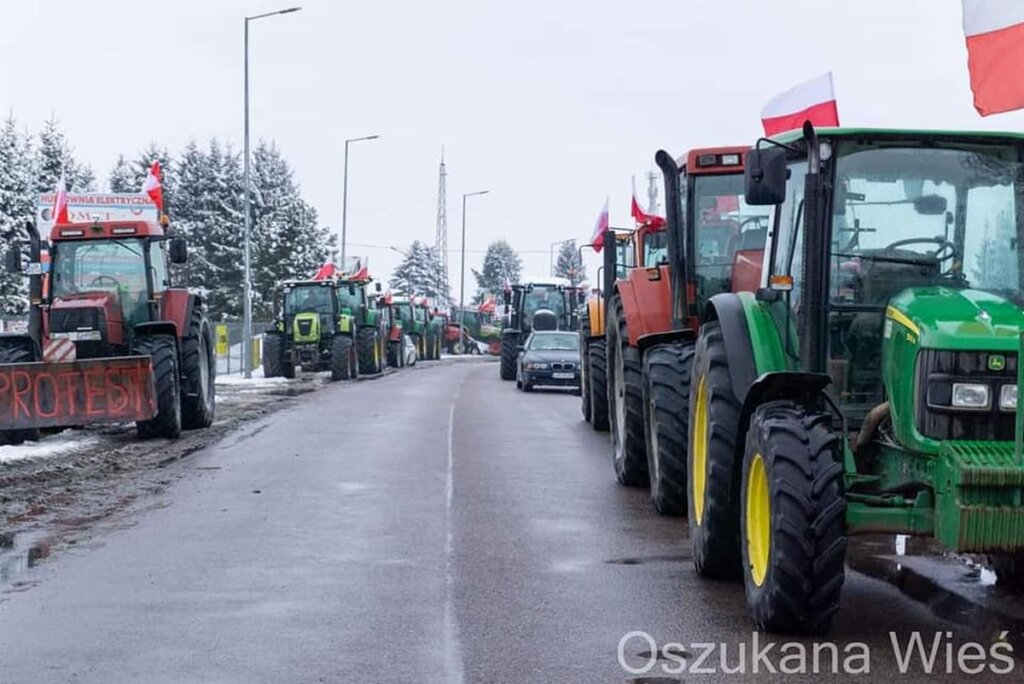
441,234
652,192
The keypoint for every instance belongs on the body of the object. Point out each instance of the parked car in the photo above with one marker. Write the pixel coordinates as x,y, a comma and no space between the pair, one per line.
549,358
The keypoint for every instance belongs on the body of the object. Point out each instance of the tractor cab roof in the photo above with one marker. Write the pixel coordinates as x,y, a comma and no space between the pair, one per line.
105,230
898,133
544,281
714,160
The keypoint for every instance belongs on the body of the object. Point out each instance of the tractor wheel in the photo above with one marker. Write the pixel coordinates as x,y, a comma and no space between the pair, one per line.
625,401
367,344
508,355
584,379
199,370
342,351
272,355
17,354
163,354
712,473
597,384
417,341
667,420
792,519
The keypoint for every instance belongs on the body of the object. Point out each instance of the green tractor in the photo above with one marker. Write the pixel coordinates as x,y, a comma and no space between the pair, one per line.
540,303
418,323
870,385
324,324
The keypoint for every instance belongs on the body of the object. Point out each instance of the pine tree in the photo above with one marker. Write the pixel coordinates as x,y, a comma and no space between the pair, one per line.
501,265
569,265
121,178
54,156
17,206
417,273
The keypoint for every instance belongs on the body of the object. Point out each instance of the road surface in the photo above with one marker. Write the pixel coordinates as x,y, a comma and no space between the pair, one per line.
434,525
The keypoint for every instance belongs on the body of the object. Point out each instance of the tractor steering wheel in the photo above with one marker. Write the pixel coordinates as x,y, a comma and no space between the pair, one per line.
752,219
946,249
100,278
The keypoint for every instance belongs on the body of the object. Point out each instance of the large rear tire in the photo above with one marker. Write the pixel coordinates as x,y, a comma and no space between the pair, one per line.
792,518
712,473
597,357
509,342
273,355
17,353
368,348
199,370
163,354
625,401
666,419
342,361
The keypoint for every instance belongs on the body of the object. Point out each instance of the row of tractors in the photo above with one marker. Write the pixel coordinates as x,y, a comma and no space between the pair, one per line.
821,339
343,324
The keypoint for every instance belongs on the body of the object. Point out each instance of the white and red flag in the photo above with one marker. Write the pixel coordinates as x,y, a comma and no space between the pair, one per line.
152,186
995,54
597,238
813,101
325,272
644,219
60,202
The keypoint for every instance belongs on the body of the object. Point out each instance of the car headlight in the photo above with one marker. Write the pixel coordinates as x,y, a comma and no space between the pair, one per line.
534,365
1008,397
970,395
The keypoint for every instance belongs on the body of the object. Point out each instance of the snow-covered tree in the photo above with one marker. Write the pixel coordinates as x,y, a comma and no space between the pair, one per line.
53,156
569,265
417,273
501,265
121,178
17,206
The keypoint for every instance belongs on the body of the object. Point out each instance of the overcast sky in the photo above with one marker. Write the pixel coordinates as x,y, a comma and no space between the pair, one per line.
551,105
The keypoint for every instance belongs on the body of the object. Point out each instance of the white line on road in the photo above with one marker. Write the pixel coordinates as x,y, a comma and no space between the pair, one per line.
452,649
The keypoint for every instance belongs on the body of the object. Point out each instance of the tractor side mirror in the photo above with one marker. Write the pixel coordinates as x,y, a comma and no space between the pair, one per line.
377,286
12,260
179,250
507,297
765,176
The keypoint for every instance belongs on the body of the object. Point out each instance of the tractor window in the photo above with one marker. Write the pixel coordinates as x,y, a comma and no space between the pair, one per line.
544,297
352,301
115,266
158,265
623,257
787,241
309,299
655,248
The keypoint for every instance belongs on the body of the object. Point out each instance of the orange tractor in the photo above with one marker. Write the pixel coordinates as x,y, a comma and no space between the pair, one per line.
109,338
713,242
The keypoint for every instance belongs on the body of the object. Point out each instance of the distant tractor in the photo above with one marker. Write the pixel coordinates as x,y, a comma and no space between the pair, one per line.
871,384
394,330
417,324
541,303
593,351
109,338
325,324
712,242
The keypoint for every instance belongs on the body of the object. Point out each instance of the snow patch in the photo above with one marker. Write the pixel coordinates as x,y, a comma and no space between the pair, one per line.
65,442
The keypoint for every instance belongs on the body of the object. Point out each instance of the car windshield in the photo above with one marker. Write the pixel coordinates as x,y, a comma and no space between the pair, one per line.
544,297
308,299
906,216
555,342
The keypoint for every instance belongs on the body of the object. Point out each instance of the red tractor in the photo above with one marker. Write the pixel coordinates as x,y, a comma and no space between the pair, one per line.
713,243
109,338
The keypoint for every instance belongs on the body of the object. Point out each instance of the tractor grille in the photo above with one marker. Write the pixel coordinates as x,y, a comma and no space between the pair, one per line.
72,320
937,371
558,366
305,326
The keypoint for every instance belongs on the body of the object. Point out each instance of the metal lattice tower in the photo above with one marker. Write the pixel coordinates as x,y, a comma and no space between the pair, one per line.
652,193
441,236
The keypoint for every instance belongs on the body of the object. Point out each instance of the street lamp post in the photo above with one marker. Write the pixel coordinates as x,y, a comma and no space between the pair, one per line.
344,195
247,285
462,269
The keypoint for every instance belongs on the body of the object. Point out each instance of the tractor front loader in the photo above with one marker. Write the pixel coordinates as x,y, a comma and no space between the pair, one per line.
109,338
870,385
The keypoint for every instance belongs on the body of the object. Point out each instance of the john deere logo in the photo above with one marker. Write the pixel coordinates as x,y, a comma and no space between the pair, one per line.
996,362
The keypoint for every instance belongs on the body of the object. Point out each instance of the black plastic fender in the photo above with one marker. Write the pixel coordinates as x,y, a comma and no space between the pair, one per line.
645,342
727,309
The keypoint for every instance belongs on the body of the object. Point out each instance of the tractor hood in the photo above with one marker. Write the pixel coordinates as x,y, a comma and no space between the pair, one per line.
954,318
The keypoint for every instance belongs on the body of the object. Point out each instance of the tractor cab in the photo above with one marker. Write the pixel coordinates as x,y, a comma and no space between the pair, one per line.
105,279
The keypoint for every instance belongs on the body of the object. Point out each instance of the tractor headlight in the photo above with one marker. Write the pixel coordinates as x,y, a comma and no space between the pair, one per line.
1008,398
970,395
534,365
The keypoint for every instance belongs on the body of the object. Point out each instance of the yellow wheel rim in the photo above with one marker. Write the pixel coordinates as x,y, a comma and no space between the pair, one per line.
700,449
758,514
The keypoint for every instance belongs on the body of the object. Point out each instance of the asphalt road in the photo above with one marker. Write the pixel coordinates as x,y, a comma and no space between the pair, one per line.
431,526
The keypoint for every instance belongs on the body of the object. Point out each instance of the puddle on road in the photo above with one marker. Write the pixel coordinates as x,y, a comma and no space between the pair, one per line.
18,554
644,560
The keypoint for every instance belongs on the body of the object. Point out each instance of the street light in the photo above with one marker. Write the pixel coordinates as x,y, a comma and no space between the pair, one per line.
344,194
247,285
462,270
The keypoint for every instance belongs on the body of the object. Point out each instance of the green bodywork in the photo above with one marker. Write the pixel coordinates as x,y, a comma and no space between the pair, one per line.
967,493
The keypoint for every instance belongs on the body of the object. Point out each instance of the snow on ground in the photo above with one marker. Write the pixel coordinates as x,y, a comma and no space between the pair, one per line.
257,379
55,445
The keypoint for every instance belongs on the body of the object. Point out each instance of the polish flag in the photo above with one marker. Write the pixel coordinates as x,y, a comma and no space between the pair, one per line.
813,101
325,272
597,239
995,54
152,187
643,218
60,202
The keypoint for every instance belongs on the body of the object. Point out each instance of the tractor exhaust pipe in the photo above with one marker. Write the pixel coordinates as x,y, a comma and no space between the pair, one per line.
35,285
677,247
610,255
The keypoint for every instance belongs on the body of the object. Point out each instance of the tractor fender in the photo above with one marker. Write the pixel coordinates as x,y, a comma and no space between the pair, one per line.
21,340
645,342
156,328
646,302
803,387
177,308
727,309
594,317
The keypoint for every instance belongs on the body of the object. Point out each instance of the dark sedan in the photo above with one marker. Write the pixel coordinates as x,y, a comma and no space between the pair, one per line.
550,359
